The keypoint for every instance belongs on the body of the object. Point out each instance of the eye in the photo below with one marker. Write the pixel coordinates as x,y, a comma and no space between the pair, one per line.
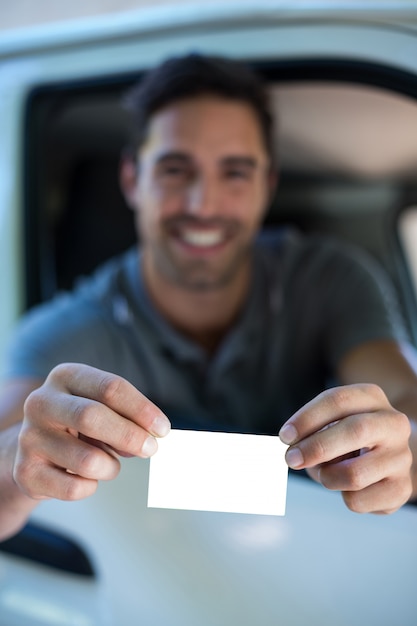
174,174
175,171
238,173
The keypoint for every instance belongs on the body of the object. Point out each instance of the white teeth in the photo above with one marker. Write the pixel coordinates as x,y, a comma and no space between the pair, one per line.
202,238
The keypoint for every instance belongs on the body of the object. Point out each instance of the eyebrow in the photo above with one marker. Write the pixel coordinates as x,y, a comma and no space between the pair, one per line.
228,161
240,161
182,157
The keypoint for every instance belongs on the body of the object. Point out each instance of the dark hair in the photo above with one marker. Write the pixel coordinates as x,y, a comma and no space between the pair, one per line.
193,75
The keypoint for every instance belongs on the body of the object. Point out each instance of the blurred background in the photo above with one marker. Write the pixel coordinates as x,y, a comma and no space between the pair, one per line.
21,13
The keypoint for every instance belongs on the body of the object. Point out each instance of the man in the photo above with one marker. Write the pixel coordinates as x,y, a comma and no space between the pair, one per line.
208,324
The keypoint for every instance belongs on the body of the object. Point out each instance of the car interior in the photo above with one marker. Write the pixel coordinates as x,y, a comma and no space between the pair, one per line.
347,142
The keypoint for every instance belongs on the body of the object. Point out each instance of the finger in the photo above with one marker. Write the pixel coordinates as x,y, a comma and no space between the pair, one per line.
47,481
362,471
114,392
70,453
314,472
100,444
349,435
330,406
55,407
98,422
384,497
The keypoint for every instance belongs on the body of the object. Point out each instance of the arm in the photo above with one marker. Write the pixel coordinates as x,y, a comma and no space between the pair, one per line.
15,506
74,427
361,438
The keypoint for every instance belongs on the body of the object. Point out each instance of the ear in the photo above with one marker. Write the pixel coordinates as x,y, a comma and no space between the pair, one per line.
128,179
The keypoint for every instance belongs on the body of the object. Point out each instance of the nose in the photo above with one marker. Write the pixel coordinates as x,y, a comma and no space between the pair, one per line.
203,197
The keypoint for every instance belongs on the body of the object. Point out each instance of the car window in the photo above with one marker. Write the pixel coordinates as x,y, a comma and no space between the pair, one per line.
347,158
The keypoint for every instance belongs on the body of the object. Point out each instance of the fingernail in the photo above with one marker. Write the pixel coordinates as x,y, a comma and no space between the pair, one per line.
160,426
150,446
288,433
294,457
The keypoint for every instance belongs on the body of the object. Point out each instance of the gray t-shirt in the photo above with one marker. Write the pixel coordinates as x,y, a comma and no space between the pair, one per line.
311,300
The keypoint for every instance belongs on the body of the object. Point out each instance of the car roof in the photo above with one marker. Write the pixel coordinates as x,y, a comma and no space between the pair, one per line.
153,17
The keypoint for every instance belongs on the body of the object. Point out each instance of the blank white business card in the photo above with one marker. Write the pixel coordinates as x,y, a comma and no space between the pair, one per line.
211,471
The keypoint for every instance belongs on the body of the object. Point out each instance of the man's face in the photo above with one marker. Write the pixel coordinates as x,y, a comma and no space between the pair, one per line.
201,193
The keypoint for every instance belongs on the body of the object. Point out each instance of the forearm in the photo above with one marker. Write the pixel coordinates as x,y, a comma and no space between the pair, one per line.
15,506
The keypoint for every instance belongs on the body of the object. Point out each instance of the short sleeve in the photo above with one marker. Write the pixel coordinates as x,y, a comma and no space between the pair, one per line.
360,303
67,329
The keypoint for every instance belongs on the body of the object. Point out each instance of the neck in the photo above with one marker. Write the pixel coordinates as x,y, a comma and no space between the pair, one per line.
205,316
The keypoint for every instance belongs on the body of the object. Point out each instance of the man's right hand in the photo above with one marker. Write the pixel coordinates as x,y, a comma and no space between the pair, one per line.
74,427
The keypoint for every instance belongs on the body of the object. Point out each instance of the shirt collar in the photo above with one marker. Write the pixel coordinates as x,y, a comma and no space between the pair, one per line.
261,297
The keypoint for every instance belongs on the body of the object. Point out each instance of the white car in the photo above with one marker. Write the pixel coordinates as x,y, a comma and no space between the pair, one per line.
344,79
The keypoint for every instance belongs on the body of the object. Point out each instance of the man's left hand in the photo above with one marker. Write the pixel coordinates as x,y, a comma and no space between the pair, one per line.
352,439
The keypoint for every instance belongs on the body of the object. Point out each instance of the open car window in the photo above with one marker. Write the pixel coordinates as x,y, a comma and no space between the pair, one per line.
347,146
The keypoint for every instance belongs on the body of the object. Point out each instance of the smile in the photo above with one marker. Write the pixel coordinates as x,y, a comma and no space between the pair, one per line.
202,238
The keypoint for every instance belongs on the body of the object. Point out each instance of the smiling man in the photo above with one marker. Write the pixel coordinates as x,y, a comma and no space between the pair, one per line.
209,323
200,197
